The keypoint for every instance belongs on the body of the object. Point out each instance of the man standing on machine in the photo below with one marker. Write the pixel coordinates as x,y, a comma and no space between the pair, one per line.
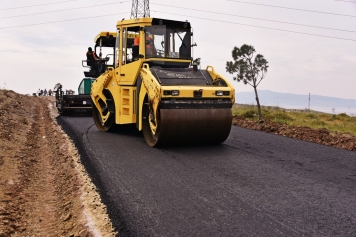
92,59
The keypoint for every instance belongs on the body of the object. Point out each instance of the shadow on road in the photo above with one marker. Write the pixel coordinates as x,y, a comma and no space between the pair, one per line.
126,130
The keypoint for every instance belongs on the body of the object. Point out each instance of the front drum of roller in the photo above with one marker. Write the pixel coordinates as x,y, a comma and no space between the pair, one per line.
190,126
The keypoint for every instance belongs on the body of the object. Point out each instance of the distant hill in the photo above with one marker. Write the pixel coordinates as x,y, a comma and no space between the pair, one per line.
294,101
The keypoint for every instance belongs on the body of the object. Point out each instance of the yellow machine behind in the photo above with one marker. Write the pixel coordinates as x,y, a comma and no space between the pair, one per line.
152,85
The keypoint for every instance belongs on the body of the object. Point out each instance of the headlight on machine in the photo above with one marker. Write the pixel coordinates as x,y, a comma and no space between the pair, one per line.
221,93
172,93
175,93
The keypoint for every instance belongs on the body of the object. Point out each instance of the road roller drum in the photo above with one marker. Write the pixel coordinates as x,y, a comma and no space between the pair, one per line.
190,126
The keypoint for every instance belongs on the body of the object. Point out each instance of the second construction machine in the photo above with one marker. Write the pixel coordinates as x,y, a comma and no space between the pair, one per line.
153,85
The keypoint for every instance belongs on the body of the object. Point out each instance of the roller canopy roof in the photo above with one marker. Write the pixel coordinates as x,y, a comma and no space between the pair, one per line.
155,21
107,39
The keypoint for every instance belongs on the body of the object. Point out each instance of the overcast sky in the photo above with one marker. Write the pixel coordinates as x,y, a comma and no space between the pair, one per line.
40,49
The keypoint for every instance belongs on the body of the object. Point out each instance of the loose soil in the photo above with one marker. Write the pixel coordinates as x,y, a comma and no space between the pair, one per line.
44,189
321,136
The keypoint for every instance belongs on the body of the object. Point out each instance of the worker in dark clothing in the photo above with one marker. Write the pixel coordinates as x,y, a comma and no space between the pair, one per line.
92,59
57,89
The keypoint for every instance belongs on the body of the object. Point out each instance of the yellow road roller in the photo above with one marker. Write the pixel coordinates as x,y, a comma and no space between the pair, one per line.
154,85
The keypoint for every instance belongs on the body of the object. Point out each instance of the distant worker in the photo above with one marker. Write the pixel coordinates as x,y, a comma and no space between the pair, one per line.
49,92
135,48
150,47
136,41
92,58
39,92
57,88
45,92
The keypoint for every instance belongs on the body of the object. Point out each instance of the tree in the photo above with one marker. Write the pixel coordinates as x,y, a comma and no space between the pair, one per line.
249,70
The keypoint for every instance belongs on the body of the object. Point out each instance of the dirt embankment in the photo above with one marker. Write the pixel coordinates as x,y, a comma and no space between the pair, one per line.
44,190
320,136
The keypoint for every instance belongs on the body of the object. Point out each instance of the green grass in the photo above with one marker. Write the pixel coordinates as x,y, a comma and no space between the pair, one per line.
334,123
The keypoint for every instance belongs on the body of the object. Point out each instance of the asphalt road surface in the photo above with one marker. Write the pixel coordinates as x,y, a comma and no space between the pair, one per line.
254,184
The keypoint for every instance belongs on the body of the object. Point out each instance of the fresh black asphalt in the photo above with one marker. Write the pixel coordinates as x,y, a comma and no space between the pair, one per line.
254,184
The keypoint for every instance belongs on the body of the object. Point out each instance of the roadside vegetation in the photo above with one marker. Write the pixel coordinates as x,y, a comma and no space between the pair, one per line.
335,123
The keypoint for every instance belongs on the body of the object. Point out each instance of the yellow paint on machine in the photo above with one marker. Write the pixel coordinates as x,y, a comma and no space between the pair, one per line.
131,92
